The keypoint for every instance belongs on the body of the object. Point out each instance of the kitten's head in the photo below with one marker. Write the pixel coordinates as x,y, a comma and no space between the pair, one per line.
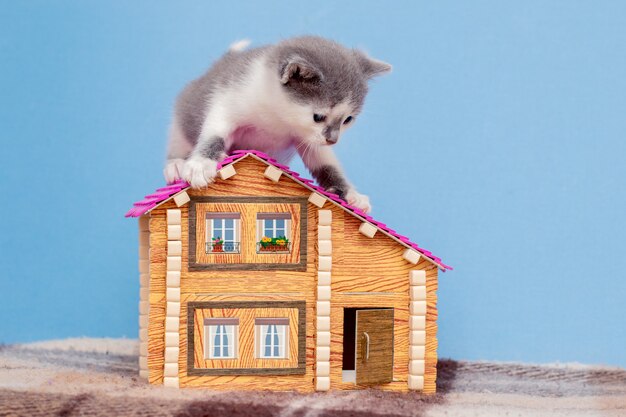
327,84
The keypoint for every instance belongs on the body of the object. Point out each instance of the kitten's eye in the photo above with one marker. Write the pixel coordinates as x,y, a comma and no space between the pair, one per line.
348,120
319,118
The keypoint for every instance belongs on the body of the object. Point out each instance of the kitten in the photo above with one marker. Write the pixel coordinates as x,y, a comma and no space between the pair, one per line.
296,96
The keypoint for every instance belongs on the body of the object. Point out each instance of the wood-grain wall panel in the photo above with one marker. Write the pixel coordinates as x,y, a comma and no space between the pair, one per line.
359,265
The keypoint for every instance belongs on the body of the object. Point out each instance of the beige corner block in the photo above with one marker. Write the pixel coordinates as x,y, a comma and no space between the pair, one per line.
227,172
171,354
143,349
416,382
418,293
144,223
417,337
173,309
174,263
172,324
174,232
322,354
323,339
324,233
173,294
144,252
322,383
323,308
417,352
144,374
323,292
173,279
144,293
143,362
323,278
325,217
368,229
174,216
411,255
143,334
273,173
181,199
416,367
317,199
144,266
323,324
144,307
170,369
144,280
144,239
325,263
325,247
322,368
172,339
417,308
170,382
143,321
417,322
174,248
417,277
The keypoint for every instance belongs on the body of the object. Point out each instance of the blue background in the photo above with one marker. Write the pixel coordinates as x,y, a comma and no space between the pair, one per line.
498,142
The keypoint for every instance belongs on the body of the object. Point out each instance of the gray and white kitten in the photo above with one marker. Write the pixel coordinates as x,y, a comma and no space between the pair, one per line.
296,96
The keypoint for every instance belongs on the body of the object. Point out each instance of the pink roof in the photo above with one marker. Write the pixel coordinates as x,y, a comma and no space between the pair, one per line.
165,193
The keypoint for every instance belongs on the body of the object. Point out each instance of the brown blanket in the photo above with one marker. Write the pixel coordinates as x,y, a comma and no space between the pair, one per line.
98,377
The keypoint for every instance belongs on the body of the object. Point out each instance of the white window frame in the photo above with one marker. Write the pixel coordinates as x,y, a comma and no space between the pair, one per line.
210,331
261,231
236,230
260,334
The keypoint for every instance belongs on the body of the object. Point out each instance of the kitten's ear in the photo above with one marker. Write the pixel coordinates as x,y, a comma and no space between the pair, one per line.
371,67
298,69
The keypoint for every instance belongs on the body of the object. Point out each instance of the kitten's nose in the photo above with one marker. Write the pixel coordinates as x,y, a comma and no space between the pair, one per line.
332,137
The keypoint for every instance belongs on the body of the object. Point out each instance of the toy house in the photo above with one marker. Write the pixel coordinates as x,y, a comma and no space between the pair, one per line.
262,280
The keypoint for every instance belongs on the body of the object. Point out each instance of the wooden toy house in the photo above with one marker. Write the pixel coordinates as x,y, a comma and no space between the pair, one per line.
263,280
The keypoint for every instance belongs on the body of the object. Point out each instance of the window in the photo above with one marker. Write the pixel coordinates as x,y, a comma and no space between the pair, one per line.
222,234
221,336
272,338
273,231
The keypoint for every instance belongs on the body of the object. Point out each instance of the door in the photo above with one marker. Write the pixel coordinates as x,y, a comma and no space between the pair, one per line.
374,346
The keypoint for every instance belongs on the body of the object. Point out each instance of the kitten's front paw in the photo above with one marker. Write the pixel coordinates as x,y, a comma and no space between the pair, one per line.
173,170
199,172
360,201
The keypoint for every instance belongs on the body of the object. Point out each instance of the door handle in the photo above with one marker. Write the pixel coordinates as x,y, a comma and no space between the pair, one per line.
367,346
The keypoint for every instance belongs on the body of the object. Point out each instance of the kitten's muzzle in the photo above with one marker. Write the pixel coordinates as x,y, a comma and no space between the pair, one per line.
331,136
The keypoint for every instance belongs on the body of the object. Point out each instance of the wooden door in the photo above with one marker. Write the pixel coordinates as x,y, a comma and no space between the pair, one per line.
374,346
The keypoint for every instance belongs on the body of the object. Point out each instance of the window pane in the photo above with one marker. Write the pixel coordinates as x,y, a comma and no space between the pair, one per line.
268,342
280,232
229,235
269,228
216,342
229,223
217,223
280,223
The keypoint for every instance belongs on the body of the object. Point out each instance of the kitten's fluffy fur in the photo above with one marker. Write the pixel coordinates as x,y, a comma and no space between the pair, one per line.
265,99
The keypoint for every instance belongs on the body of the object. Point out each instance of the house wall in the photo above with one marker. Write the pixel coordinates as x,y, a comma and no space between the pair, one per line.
366,272
371,272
